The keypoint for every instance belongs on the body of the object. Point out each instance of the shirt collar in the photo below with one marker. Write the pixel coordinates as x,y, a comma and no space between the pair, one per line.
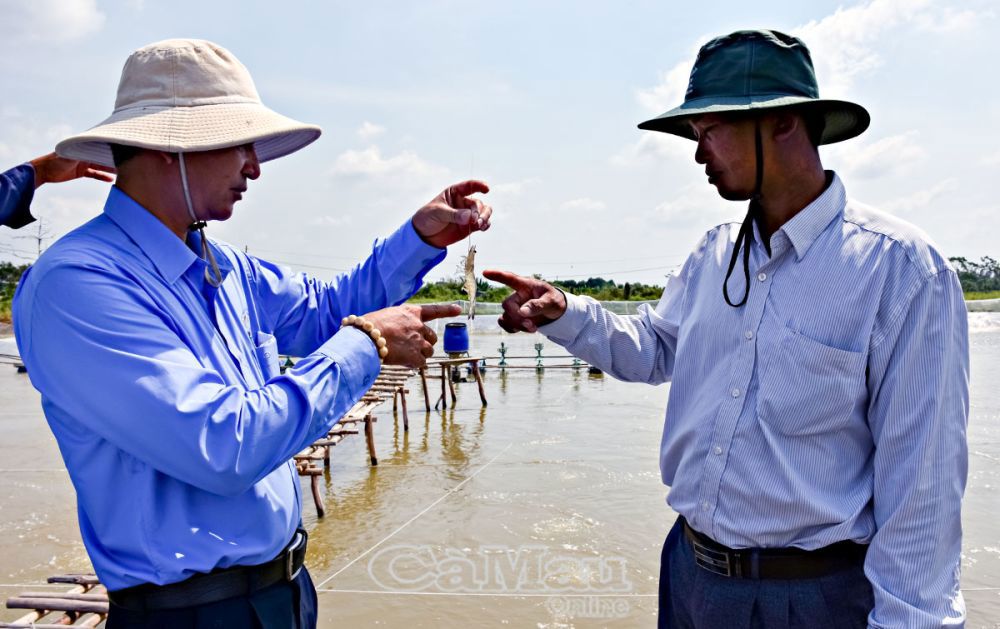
168,253
805,227
194,244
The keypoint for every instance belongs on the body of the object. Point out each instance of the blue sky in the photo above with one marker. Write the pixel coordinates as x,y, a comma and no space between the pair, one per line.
540,99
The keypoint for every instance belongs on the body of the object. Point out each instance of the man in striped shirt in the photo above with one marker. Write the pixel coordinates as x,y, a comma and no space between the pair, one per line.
814,440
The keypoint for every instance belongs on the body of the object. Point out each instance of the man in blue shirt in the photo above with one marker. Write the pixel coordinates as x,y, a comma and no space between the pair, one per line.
18,185
156,349
814,440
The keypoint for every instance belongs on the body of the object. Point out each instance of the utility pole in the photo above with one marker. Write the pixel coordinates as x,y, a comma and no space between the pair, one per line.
43,234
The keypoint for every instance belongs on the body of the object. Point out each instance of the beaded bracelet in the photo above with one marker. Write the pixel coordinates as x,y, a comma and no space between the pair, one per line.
368,328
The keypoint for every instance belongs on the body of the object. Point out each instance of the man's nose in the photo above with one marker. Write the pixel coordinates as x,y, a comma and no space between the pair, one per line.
699,153
251,167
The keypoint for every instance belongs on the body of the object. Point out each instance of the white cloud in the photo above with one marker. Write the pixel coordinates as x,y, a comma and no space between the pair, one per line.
991,160
370,163
892,155
669,93
583,204
654,147
369,130
921,198
50,21
696,204
843,45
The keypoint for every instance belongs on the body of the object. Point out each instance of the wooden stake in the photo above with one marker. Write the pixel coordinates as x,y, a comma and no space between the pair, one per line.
423,381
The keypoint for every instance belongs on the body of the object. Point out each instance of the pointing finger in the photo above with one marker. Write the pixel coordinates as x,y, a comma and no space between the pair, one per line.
437,311
513,280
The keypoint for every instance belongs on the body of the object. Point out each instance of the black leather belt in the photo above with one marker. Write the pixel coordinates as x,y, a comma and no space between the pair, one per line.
772,563
218,585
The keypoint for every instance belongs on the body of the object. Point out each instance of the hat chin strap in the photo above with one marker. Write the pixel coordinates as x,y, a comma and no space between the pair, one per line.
745,237
215,277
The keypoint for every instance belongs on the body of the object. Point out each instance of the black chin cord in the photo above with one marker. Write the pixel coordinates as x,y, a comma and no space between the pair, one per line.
745,236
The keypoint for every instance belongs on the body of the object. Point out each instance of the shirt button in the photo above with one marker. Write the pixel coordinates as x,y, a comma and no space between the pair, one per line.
704,506
748,334
717,450
762,276
735,392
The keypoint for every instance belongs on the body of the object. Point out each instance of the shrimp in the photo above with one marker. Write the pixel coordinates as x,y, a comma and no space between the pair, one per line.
470,280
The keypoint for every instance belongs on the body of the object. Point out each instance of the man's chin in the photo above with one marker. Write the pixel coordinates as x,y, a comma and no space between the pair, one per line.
733,195
223,213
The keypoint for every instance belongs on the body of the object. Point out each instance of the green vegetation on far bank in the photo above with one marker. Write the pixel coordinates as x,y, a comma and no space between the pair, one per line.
977,295
487,292
9,276
978,277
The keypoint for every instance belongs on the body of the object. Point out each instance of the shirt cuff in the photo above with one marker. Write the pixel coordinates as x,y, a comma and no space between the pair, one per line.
406,259
565,329
23,179
354,353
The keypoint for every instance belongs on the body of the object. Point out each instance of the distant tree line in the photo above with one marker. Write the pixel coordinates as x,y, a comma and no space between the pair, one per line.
608,290
978,277
596,287
10,274
453,290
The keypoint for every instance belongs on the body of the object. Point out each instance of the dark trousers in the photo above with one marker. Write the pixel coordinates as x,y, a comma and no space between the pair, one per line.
694,598
284,605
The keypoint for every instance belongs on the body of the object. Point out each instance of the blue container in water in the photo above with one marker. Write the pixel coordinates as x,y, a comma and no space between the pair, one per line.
456,338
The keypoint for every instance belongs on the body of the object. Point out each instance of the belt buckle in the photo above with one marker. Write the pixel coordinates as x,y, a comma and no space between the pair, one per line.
714,561
290,571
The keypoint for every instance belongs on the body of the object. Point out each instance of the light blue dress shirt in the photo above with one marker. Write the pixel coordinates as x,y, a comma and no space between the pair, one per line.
165,394
831,406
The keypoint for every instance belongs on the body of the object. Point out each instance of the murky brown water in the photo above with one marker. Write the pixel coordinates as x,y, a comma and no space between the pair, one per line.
545,509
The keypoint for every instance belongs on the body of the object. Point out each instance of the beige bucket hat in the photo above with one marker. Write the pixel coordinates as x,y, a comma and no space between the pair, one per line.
185,95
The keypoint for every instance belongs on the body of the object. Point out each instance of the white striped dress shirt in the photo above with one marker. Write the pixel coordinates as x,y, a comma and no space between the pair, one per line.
831,406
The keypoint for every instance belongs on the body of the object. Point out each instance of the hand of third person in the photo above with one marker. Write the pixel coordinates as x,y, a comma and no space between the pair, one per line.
54,169
409,340
452,215
533,302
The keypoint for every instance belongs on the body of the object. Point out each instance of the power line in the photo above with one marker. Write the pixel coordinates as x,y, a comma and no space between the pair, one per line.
611,273
301,253
576,262
308,266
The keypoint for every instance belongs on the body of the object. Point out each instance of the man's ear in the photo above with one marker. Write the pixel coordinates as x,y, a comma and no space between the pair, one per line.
786,125
168,158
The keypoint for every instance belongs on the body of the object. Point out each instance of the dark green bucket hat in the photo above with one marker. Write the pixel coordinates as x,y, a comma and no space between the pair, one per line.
755,70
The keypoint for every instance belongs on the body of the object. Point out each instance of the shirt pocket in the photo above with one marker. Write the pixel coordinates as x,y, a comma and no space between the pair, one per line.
806,387
267,355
